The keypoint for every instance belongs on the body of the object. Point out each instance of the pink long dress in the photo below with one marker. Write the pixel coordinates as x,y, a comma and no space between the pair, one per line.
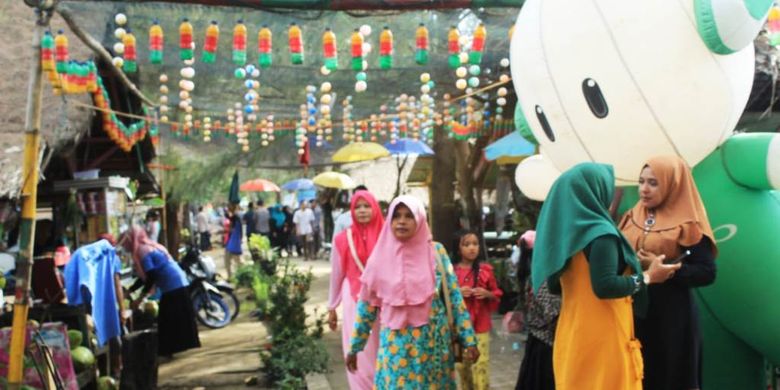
340,293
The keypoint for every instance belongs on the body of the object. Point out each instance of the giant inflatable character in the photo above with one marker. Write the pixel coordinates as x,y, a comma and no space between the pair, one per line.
618,81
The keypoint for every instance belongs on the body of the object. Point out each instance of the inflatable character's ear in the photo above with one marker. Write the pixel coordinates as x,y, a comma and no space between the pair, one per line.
728,26
753,160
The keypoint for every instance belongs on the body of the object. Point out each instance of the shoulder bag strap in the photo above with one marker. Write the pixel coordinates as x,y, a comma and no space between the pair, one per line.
445,289
352,250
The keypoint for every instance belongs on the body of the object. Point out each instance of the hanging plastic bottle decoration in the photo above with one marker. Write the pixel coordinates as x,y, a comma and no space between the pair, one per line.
295,41
453,47
210,44
386,48
421,38
239,43
47,62
185,40
357,50
478,44
329,50
129,65
773,25
264,47
61,51
156,43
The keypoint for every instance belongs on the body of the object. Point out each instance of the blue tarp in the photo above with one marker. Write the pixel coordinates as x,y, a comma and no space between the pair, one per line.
511,145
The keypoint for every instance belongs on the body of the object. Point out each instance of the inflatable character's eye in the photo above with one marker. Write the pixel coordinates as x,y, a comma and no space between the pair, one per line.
594,97
545,124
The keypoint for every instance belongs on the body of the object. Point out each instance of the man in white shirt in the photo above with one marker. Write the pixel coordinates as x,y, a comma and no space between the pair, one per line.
202,220
303,220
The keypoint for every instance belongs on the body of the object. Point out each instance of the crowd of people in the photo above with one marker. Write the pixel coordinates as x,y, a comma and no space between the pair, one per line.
608,302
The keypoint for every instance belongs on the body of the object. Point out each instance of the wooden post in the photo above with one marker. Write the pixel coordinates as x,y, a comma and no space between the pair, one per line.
27,225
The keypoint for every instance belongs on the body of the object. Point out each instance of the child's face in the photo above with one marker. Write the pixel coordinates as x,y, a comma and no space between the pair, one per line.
469,247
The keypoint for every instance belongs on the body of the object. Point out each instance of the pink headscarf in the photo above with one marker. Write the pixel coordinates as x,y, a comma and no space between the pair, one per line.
529,237
137,243
400,275
364,237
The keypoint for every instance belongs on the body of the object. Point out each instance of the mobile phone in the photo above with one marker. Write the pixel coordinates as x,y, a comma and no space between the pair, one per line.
679,258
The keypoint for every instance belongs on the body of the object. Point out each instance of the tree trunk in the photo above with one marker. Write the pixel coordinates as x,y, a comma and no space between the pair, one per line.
470,172
173,228
444,218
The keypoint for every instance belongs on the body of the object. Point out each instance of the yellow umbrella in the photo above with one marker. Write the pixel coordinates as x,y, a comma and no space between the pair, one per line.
360,151
334,180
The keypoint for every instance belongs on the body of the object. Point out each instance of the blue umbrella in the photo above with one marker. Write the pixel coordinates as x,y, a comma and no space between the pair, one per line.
408,146
511,145
298,184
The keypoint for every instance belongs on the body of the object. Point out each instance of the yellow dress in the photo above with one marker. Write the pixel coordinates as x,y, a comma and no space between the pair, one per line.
595,347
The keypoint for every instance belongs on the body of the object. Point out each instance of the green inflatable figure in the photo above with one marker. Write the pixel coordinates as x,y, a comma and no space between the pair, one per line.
650,78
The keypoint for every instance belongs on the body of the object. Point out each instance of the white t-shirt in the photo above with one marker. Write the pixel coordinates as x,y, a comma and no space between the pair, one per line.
203,222
343,222
303,220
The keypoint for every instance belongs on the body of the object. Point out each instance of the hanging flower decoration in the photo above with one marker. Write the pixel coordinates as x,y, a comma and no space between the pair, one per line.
156,43
386,48
453,47
264,47
329,50
210,44
239,43
421,42
478,44
295,41
186,46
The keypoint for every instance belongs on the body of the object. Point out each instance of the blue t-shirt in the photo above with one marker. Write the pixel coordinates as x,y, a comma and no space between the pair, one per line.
168,276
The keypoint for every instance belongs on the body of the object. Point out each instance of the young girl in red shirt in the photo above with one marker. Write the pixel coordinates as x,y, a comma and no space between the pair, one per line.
482,295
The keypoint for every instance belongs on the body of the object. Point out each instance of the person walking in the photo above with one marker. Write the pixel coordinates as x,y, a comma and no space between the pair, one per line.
481,293
410,279
581,254
249,220
304,230
668,220
202,224
350,254
233,247
262,219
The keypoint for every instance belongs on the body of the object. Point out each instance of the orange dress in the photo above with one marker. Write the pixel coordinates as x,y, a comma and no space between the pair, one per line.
595,347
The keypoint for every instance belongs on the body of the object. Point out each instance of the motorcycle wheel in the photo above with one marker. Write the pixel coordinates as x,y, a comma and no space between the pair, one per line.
232,301
211,310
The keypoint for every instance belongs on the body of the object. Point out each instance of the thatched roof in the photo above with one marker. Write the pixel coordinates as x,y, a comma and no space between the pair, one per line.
61,122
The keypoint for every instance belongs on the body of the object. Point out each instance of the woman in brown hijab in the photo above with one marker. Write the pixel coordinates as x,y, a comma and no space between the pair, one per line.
669,221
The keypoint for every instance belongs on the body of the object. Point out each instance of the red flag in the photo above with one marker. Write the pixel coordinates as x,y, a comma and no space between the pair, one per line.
304,158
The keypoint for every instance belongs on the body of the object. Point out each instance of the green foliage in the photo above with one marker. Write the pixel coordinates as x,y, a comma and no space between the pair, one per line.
296,348
245,275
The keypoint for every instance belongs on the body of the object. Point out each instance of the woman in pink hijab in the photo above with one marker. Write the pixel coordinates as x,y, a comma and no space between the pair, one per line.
404,279
351,250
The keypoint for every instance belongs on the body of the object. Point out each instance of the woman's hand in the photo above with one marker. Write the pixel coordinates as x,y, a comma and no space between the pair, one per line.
136,303
351,362
646,258
466,292
471,354
481,293
333,320
658,272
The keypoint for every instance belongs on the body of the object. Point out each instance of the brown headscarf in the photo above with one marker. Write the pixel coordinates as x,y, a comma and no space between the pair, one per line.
680,218
138,244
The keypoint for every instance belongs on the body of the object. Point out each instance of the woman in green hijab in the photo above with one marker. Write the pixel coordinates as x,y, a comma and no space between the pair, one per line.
582,254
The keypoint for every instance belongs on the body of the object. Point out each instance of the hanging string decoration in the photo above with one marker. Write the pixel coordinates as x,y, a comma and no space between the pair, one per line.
311,109
79,77
163,98
300,130
386,48
239,43
421,43
329,50
210,44
241,129
264,47
186,86
325,129
478,44
427,108
129,65
156,43
295,41
268,131
47,62
186,46
502,91
453,47
348,126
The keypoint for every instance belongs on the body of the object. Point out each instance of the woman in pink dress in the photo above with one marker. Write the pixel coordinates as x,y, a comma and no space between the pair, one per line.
351,249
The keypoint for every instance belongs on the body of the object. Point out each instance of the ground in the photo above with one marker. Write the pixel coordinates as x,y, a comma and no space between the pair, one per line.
230,355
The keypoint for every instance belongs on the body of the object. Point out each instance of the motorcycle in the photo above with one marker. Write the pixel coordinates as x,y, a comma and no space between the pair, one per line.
200,268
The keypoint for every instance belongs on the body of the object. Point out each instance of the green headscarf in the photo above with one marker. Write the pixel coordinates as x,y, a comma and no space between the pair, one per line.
575,213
